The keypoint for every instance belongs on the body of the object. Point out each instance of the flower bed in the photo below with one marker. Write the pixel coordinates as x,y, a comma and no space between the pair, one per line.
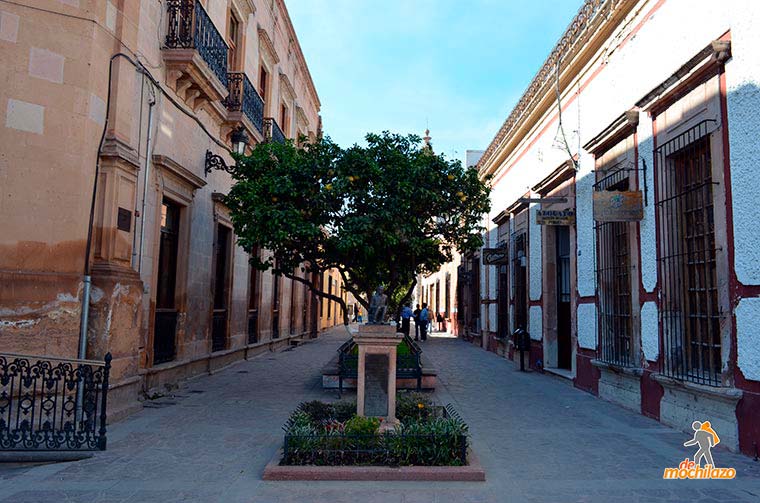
319,433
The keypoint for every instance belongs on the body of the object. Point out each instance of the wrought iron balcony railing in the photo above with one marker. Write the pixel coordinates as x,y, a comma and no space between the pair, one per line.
190,27
52,404
244,98
272,131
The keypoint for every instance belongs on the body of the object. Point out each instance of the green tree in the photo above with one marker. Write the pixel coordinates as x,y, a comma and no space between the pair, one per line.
380,214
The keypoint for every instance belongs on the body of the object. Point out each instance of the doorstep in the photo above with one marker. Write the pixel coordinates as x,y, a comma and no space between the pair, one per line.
563,373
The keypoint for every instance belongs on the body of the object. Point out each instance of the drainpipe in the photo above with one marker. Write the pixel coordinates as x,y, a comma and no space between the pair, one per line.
148,155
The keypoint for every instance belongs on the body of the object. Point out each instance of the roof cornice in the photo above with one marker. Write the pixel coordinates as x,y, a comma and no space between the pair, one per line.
587,31
299,55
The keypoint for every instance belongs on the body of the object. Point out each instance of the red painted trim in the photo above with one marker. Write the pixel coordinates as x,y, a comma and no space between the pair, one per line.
533,303
579,91
589,299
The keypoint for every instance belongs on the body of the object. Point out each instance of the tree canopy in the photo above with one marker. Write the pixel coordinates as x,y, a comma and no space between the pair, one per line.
380,214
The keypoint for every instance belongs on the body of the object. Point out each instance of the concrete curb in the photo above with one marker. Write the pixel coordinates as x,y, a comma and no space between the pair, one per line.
43,456
471,473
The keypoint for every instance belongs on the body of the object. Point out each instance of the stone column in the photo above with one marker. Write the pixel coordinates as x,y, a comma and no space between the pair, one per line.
376,384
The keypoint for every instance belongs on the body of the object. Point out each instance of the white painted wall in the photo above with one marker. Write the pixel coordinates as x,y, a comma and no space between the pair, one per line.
748,337
535,323
535,256
650,340
587,326
671,35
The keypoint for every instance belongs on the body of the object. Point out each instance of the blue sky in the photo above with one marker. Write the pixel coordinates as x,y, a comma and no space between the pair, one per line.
459,66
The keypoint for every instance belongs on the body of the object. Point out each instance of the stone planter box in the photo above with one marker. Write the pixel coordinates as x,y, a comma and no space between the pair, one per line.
473,472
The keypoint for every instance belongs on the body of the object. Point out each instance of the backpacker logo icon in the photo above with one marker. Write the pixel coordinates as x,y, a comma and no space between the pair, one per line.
705,438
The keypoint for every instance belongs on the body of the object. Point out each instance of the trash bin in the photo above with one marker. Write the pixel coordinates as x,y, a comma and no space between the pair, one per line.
521,340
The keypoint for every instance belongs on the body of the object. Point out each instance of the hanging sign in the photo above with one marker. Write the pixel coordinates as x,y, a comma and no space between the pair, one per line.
556,217
618,206
495,256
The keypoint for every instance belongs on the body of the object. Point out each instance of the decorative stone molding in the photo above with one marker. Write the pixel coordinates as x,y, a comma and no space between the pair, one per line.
119,151
565,172
592,16
288,93
267,50
621,127
179,181
301,119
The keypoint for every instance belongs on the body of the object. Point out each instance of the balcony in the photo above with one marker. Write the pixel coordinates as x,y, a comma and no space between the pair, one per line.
272,131
244,103
195,54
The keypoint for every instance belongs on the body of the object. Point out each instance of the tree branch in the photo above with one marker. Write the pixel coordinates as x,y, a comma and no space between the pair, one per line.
320,293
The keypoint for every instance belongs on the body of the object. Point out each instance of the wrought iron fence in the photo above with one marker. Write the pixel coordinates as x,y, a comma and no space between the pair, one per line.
689,310
389,448
219,330
244,98
51,403
272,131
191,27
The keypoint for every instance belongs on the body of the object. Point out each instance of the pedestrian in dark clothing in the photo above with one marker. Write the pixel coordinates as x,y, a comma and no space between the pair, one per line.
416,315
439,319
424,321
406,319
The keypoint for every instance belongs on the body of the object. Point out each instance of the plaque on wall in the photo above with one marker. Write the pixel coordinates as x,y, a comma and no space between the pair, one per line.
124,220
556,217
618,206
376,384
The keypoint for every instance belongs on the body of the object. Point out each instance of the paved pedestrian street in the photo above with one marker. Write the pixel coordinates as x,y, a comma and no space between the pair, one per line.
211,439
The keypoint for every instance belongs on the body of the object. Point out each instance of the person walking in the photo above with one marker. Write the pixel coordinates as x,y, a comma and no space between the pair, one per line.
439,319
416,315
406,319
424,321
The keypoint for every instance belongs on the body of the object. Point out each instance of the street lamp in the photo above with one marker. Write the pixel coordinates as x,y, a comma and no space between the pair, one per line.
239,140
239,143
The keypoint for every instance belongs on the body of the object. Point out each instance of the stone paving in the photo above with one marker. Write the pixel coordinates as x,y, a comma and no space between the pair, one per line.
538,438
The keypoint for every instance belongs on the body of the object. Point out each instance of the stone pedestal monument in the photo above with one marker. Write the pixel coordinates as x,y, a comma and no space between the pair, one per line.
376,383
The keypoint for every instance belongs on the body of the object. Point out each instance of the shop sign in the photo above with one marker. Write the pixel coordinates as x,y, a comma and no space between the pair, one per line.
495,256
618,206
555,217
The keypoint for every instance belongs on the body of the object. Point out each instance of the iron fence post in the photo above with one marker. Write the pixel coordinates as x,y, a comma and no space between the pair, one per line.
104,403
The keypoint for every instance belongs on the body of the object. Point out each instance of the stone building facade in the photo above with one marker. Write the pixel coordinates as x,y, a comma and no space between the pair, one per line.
624,197
136,96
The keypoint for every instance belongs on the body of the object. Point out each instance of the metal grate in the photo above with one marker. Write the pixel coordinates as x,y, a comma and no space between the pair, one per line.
613,281
219,330
689,313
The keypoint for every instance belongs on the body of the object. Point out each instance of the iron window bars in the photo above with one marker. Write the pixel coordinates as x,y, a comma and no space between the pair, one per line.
689,310
613,280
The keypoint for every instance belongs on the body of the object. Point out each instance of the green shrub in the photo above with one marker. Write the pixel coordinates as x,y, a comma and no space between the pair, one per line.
359,425
344,410
413,407
319,412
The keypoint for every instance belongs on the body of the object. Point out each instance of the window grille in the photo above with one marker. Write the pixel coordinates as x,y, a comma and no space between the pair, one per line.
519,271
689,310
613,280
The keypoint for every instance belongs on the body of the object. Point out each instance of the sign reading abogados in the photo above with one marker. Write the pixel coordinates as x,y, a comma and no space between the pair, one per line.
556,217
627,206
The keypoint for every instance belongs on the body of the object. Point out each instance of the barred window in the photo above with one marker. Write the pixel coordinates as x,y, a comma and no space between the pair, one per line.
613,280
519,282
690,313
